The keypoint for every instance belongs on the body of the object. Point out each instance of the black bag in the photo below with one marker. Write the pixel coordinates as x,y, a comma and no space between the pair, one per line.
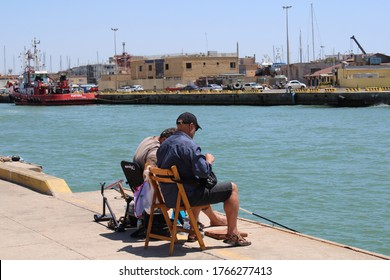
159,225
210,181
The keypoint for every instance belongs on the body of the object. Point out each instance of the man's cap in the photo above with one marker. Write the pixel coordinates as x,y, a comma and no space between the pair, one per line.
188,118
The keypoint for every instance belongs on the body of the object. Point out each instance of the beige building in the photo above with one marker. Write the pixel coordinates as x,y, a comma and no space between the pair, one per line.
186,68
248,66
170,70
79,80
364,76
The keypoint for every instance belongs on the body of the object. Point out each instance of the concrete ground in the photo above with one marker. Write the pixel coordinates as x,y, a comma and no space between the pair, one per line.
35,226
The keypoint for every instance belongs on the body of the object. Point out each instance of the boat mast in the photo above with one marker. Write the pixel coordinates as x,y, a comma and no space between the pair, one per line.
35,42
300,46
5,63
312,31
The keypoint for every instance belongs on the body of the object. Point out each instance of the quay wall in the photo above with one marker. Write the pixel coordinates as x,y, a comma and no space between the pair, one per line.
32,177
337,99
4,98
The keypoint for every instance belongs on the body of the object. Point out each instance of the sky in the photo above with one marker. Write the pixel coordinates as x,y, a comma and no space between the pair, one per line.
73,33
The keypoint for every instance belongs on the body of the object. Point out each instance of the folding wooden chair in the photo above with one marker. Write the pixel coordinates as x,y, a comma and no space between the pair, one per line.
158,175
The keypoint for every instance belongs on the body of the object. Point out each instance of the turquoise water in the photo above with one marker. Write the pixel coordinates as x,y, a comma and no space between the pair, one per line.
321,171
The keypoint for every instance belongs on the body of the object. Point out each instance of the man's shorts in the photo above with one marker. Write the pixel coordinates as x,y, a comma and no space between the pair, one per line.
219,193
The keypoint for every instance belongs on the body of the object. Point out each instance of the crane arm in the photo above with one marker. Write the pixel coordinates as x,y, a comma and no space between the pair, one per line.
357,43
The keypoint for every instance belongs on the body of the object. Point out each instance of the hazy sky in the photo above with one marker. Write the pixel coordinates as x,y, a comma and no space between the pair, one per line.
80,32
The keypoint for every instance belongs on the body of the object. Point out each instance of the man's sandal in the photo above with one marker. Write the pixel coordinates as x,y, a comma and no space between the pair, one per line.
236,240
192,237
201,226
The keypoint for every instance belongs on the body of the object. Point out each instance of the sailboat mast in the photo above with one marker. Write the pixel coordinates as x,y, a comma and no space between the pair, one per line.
300,46
312,31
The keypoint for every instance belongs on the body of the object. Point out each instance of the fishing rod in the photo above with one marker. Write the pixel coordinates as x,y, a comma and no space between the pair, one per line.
254,214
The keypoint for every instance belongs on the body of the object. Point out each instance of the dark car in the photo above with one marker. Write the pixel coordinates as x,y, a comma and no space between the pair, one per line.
190,88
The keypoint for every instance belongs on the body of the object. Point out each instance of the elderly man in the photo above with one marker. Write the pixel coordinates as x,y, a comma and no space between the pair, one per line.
145,155
181,150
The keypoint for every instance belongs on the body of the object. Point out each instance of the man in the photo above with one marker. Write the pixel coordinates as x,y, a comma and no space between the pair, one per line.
145,155
181,150
147,149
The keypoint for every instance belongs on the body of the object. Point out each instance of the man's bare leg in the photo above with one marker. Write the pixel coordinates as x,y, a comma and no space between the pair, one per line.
216,219
231,207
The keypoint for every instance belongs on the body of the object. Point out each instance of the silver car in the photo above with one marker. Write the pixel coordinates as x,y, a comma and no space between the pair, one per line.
295,84
136,88
212,87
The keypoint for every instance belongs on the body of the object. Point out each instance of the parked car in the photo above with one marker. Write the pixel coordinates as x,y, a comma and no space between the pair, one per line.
190,88
136,88
294,84
130,88
249,86
212,87
124,89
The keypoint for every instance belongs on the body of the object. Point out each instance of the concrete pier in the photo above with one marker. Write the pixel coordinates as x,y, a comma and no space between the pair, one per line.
59,225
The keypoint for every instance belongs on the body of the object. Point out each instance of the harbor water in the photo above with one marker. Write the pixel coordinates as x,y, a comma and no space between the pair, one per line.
321,171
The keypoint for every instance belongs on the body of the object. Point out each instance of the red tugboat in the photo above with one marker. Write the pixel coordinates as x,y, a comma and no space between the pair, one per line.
37,88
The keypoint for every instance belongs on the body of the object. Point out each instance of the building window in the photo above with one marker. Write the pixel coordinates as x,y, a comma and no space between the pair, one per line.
365,75
140,69
150,67
232,65
188,65
167,66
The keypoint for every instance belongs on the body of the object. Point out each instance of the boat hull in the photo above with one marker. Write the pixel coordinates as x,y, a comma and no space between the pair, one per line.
55,99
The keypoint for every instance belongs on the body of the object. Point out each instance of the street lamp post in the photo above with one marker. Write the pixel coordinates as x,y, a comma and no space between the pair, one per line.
322,52
288,43
116,62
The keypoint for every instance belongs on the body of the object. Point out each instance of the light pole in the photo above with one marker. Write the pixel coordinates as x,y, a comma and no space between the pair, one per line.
288,43
116,64
322,52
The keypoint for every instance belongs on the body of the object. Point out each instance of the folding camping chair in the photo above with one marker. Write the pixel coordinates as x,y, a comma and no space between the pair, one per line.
158,175
134,177
133,174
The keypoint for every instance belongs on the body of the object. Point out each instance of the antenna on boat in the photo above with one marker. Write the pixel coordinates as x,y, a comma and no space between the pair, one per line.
35,56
